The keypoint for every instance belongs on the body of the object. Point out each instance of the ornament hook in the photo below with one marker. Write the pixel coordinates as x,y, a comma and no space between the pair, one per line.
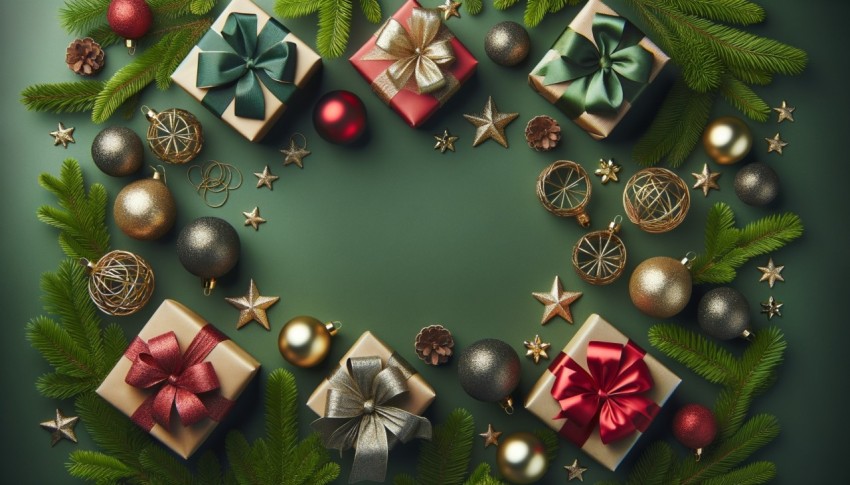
688,259
507,405
333,327
209,285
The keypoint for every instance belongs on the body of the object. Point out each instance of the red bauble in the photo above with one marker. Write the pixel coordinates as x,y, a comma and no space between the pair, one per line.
694,426
340,117
130,19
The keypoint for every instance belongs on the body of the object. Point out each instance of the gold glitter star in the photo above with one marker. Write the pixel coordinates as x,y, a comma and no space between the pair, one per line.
449,9
252,307
575,471
706,180
785,112
771,308
490,124
557,302
608,171
61,427
446,141
294,154
775,144
253,218
536,349
266,178
491,437
63,135
770,273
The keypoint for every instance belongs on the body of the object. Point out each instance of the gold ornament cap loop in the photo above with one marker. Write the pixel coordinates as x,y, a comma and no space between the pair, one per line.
88,264
614,226
131,46
583,219
150,113
507,405
209,285
688,259
748,335
333,328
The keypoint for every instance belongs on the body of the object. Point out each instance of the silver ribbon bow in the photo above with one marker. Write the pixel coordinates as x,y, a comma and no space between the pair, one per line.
360,414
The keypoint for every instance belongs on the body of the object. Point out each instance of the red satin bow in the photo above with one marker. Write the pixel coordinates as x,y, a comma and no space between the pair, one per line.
179,378
608,395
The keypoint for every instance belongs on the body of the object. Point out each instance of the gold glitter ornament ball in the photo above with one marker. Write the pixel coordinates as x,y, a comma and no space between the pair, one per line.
521,458
661,287
305,341
727,140
145,209
507,43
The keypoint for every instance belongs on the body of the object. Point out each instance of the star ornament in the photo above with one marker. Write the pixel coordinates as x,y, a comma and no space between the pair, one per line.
491,124
62,427
63,136
449,9
775,144
770,273
253,218
294,154
252,307
491,437
706,180
608,171
446,141
575,471
265,178
771,308
536,349
557,302
785,112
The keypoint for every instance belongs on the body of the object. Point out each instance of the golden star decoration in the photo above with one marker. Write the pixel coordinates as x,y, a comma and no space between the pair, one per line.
785,112
446,141
557,302
575,471
491,437
253,218
771,308
706,180
294,154
449,9
608,171
490,124
63,135
61,427
536,349
266,178
252,307
770,273
775,144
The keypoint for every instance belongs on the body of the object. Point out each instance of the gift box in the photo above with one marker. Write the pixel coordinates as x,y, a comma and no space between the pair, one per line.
370,402
597,68
178,378
601,392
414,63
247,68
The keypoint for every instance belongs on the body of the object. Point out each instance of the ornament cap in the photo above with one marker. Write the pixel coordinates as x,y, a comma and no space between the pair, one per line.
688,259
583,219
614,226
507,405
150,113
158,175
697,454
88,264
748,335
209,285
131,46
333,327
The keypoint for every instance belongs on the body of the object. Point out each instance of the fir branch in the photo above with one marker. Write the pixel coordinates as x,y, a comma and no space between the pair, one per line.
176,50
112,431
80,16
703,357
201,7
162,467
557,5
239,457
653,465
296,8
535,10
445,459
56,385
753,474
67,97
114,343
744,99
281,422
372,10
334,27
550,442
404,479
98,467
504,4
473,7
751,76
742,12
208,470
481,476
104,35
55,344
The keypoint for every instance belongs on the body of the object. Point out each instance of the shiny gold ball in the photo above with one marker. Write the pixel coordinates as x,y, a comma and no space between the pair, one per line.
305,341
660,287
727,140
521,458
145,209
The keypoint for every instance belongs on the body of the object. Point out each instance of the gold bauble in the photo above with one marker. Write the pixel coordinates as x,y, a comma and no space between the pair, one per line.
305,341
522,458
727,140
661,287
145,209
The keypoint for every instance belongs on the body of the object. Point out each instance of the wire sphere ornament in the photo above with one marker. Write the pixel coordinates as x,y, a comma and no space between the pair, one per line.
656,199
599,257
120,283
564,190
174,135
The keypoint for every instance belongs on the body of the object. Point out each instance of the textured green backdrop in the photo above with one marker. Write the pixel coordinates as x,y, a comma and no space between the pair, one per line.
390,236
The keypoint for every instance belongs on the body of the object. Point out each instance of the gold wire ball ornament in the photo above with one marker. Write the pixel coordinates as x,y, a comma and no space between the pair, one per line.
120,283
656,199
174,135
564,190
599,257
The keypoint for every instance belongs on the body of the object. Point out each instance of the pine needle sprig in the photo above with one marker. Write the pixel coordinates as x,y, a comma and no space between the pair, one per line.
753,474
67,97
708,360
81,16
473,7
535,10
334,20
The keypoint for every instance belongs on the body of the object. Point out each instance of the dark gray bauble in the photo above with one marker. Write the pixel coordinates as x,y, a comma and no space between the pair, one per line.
488,370
756,184
507,43
118,151
724,313
208,247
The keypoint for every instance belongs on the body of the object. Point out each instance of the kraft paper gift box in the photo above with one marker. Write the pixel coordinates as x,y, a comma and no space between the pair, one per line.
202,348
576,388
593,82
280,66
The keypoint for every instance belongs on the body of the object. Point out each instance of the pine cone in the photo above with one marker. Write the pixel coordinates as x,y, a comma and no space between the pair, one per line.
84,56
434,345
542,133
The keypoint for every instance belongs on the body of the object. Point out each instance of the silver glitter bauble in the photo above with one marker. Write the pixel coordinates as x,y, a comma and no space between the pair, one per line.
488,370
724,313
145,209
117,151
208,247
756,184
660,287
507,43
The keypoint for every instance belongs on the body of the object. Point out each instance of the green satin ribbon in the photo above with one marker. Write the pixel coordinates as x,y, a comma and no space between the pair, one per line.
238,62
603,75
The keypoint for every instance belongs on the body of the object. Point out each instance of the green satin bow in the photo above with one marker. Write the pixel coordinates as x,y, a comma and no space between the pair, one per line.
602,75
239,61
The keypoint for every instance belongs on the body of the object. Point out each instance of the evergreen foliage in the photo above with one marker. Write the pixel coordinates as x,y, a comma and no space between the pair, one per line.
67,97
536,10
334,20
474,7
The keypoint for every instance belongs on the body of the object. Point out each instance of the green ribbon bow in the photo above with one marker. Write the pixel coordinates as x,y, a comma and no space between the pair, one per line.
603,75
239,61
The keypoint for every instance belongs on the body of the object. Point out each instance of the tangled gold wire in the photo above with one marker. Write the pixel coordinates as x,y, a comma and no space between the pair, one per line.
121,283
216,178
656,199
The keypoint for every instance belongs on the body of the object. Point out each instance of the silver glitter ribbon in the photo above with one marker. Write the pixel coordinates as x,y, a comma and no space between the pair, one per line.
360,414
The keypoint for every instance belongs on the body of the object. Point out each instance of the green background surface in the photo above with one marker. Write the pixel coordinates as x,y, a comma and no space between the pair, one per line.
390,236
